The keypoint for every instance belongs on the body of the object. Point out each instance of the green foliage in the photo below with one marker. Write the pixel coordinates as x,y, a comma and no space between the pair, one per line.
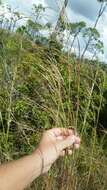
41,87
33,29
93,42
91,32
76,27
38,11
42,92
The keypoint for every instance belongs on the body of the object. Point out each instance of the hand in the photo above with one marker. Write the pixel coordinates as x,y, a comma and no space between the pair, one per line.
22,172
54,143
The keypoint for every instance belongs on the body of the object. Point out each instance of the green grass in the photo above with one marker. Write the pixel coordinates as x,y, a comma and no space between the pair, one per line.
41,89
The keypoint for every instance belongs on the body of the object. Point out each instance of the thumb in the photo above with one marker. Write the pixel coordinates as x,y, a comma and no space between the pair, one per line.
69,141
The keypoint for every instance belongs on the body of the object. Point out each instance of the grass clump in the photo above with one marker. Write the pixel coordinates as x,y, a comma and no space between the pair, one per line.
41,88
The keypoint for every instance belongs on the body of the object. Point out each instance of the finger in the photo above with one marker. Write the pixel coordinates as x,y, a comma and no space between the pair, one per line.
69,141
55,131
76,146
60,132
77,143
67,132
78,140
72,130
61,137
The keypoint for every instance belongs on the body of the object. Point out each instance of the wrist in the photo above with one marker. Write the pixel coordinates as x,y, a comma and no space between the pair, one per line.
44,166
38,153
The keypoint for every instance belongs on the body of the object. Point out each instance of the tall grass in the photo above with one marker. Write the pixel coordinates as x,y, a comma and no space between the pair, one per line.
39,91
86,169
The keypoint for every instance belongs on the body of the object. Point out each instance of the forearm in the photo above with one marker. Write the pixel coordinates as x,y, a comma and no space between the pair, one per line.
18,174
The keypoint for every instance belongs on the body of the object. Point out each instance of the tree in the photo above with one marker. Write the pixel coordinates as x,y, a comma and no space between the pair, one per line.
34,26
33,29
101,10
98,48
9,22
38,11
60,20
100,13
96,45
15,17
21,30
75,29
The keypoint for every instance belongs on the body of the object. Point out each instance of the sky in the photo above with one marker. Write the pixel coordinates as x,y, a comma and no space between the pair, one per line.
80,10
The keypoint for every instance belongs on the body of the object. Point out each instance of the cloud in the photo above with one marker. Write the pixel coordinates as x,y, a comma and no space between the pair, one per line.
24,5
103,29
81,10
86,8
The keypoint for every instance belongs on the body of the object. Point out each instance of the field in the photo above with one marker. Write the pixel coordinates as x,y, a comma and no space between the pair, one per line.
42,87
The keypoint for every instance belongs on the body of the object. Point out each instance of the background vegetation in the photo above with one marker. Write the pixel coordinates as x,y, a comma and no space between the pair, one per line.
44,84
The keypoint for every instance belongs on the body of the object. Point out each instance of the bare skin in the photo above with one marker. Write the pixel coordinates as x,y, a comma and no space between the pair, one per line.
17,175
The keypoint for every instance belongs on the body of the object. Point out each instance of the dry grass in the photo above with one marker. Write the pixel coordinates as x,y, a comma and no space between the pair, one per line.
68,99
